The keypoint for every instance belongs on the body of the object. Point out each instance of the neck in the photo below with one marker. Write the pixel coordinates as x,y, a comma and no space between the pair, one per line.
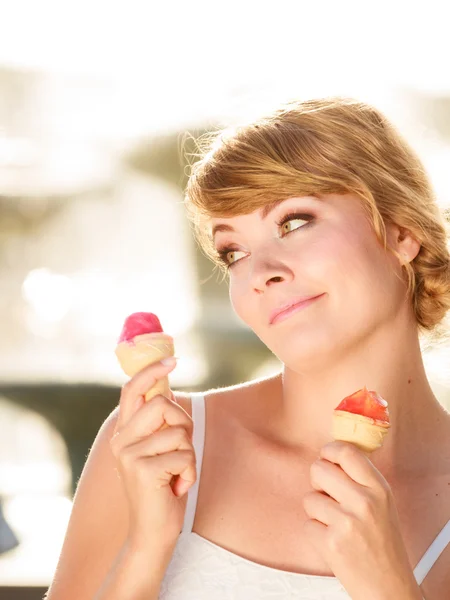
302,408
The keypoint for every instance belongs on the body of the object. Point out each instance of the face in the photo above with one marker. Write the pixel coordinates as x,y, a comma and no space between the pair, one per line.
308,247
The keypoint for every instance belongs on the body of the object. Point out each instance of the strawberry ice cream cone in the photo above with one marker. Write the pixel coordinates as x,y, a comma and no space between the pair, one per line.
142,343
362,419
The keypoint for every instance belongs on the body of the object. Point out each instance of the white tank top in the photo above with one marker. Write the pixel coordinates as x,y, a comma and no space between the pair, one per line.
202,570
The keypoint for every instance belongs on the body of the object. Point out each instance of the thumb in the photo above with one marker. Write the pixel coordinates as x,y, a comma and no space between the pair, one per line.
181,486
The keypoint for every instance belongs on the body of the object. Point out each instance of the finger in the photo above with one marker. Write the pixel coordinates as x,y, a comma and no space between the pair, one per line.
164,440
166,466
333,480
321,507
353,461
139,401
152,415
138,386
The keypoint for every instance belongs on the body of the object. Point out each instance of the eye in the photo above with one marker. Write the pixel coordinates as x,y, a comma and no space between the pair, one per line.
287,220
223,256
284,224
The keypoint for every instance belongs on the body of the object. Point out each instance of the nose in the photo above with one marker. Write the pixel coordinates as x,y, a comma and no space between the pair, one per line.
267,272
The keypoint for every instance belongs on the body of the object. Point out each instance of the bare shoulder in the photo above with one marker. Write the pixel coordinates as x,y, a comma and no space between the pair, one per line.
183,399
438,578
232,397
235,404
437,582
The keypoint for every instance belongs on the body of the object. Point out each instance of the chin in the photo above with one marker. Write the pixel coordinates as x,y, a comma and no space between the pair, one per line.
299,347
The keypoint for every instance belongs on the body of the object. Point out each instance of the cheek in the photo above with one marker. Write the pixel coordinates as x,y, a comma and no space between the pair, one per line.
238,302
332,258
348,254
364,275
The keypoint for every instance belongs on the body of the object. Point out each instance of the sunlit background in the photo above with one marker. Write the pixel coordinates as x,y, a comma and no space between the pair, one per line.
95,101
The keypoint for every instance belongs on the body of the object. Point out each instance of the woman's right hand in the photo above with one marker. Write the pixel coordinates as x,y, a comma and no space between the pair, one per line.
156,466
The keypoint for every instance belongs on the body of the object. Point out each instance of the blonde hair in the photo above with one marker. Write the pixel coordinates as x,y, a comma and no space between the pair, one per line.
318,147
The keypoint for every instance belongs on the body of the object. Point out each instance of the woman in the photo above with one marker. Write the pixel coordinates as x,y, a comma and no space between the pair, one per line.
321,200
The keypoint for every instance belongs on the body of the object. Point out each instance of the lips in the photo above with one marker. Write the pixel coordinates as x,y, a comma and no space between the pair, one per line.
290,305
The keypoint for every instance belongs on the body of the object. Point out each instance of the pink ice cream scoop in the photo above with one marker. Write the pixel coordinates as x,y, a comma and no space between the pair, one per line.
139,323
141,343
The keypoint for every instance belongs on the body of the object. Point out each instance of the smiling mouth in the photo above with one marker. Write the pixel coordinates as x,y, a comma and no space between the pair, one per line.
293,309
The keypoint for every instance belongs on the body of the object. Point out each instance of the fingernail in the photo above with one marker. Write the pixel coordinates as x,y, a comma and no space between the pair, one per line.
169,361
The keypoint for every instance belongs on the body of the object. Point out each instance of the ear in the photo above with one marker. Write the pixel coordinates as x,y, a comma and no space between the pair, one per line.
402,240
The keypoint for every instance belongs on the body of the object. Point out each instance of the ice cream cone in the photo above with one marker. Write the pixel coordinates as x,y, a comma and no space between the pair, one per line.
144,350
366,433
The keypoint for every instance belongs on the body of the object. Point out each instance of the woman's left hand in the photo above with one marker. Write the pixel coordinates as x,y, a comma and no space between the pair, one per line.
353,523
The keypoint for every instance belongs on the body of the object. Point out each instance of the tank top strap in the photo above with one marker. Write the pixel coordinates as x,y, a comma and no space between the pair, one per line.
433,553
198,441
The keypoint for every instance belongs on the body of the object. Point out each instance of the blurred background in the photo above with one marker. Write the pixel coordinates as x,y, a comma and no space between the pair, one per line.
96,100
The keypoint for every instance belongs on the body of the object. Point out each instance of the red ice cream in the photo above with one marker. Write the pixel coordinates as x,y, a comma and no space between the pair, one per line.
362,419
366,403
139,323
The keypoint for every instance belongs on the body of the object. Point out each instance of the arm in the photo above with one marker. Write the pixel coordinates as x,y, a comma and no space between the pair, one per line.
95,561
125,578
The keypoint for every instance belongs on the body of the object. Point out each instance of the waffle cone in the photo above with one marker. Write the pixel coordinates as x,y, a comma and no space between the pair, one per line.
145,350
366,433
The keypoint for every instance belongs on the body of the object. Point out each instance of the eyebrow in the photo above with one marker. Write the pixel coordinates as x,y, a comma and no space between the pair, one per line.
267,209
